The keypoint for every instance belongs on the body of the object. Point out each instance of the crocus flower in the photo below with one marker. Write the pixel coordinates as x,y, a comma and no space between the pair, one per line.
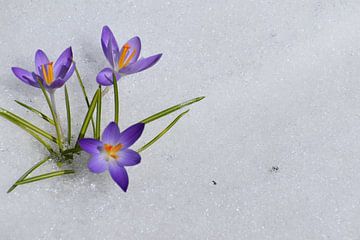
51,75
112,152
123,61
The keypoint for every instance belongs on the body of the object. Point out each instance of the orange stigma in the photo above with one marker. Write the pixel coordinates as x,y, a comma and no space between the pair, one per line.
113,150
125,49
48,72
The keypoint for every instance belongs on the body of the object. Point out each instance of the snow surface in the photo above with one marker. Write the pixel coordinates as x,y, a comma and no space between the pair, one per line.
282,80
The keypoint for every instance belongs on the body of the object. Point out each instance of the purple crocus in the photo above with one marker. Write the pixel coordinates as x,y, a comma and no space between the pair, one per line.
123,61
51,75
113,152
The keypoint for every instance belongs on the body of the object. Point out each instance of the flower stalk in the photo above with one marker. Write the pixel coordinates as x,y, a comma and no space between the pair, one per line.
56,117
51,104
116,100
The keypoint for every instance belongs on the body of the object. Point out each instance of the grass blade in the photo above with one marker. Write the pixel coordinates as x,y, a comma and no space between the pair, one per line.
27,173
116,99
162,133
88,117
44,176
37,137
171,109
98,115
37,112
23,123
85,95
68,114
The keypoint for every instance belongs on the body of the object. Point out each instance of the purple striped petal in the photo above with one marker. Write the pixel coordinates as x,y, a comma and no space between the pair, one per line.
105,77
69,72
62,64
111,134
109,44
40,59
25,76
131,134
56,84
119,175
141,64
97,163
91,145
129,157
135,45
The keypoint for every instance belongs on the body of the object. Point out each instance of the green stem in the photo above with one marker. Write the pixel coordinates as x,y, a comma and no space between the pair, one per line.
162,132
98,115
53,113
85,95
116,99
56,119
68,114
27,173
88,116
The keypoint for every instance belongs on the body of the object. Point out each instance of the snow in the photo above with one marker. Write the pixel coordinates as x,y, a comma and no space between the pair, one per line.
283,91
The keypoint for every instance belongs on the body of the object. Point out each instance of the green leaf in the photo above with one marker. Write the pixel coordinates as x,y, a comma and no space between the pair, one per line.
162,133
68,114
71,151
37,112
171,110
85,95
98,115
27,173
116,99
23,123
44,176
37,137
88,117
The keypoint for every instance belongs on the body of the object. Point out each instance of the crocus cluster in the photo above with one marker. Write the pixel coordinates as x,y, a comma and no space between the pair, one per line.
112,152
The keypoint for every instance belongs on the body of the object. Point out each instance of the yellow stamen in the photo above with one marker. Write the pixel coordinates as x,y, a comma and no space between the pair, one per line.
107,147
48,73
117,147
51,72
129,58
44,73
125,49
113,150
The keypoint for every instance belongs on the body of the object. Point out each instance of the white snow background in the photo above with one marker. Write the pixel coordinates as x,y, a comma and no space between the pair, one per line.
282,87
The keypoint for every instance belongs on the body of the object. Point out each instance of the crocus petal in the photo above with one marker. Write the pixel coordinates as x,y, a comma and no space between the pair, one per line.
119,175
63,63
97,163
131,134
56,84
90,145
109,44
135,45
40,59
105,77
25,76
141,64
69,72
129,157
111,134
